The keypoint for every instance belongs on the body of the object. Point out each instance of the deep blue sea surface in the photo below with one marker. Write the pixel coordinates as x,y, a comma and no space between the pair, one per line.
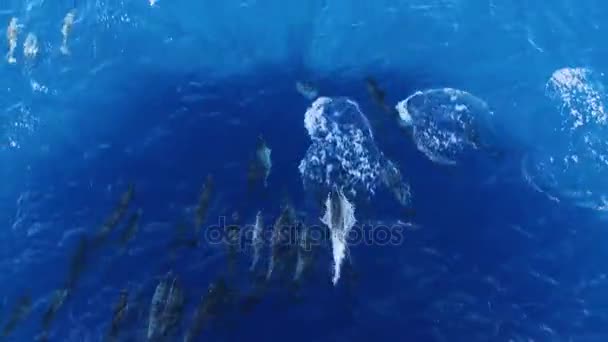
489,116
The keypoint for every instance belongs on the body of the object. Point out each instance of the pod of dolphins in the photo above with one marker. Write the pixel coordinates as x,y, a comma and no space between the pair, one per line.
289,259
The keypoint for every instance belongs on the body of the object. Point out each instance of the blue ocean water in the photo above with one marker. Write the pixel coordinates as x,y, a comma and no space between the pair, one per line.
504,246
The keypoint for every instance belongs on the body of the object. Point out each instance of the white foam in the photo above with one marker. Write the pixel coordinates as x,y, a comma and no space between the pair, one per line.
406,118
343,153
314,120
581,96
443,121
573,167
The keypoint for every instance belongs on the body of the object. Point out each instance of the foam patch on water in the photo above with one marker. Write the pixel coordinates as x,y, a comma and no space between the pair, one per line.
18,122
445,122
575,168
580,95
339,218
343,154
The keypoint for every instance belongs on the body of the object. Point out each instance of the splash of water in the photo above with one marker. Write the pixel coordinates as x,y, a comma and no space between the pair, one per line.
575,166
343,154
444,122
